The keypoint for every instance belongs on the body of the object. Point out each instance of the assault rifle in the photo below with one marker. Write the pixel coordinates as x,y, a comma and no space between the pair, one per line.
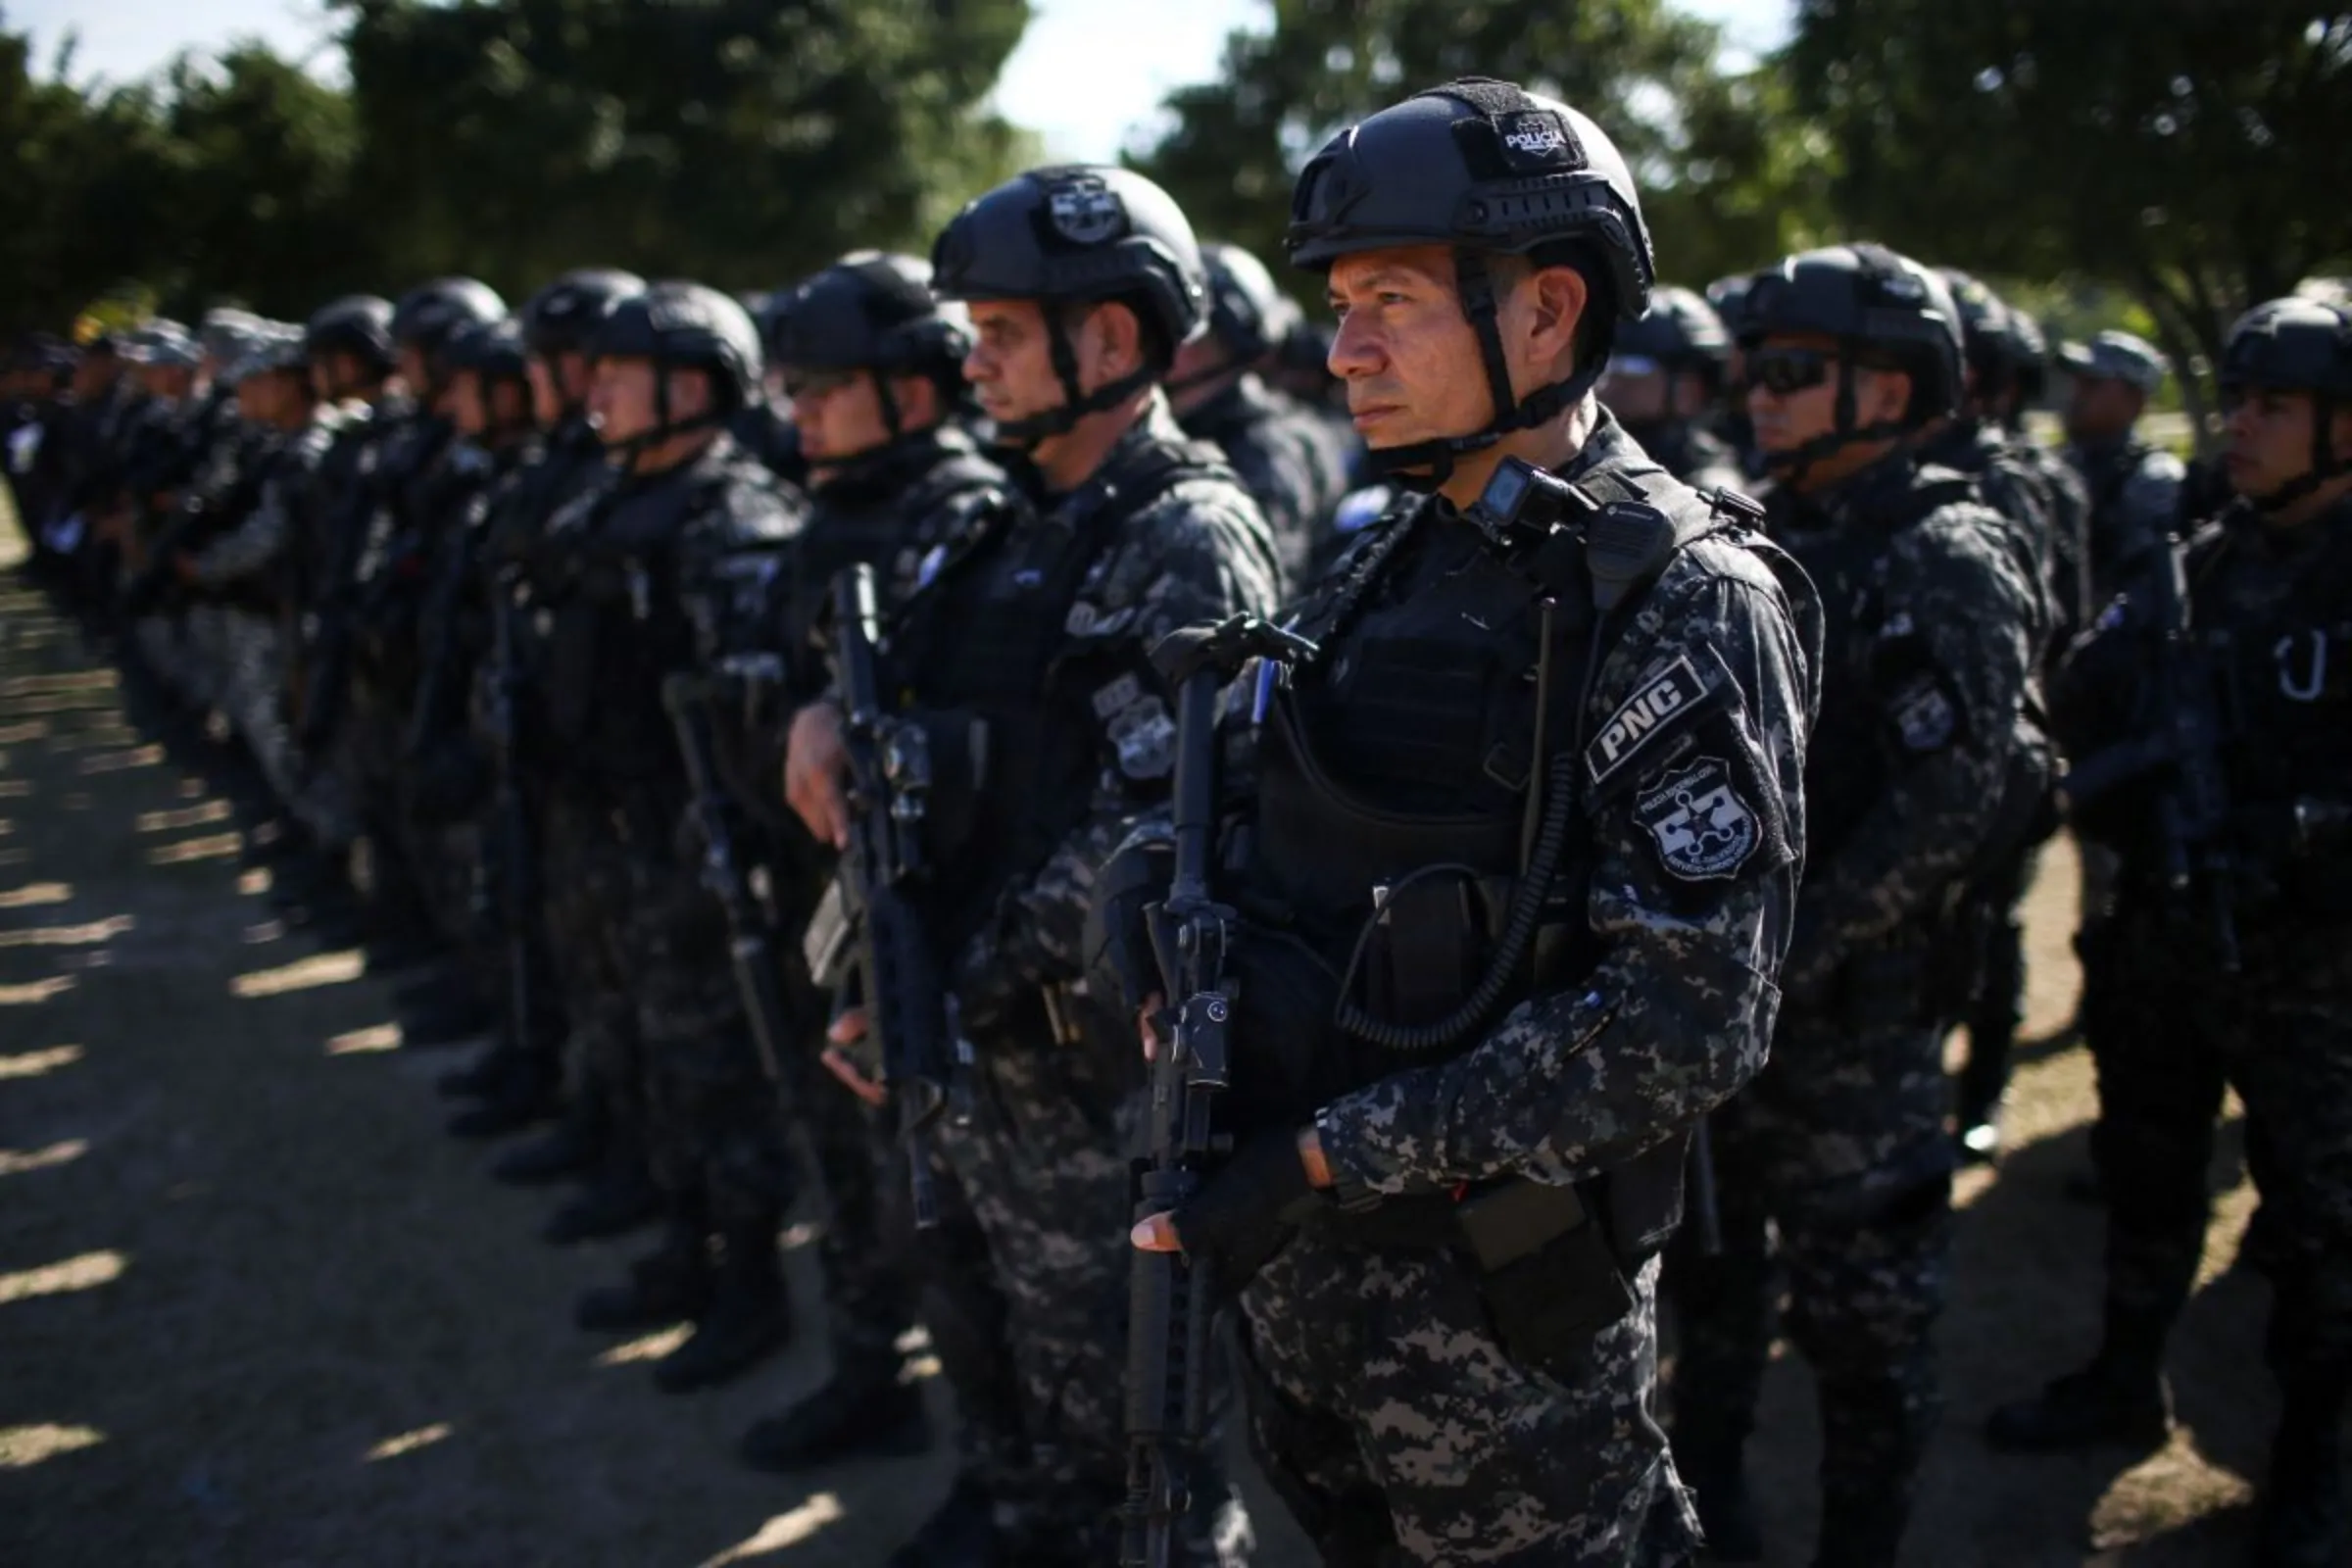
2185,749
517,833
689,697
1171,1307
915,1039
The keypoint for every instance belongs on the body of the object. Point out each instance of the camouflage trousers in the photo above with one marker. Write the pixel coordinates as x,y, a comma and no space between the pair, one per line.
183,650
2168,1034
1042,1165
864,1250
585,884
1387,1412
1838,1152
715,1129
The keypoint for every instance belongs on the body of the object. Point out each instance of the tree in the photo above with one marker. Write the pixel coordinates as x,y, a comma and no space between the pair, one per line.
744,143
1727,179
2193,154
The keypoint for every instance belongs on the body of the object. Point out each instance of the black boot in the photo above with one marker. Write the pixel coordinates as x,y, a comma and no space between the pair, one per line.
570,1149
749,1319
846,1418
449,1015
1717,1475
522,1095
961,1533
669,1287
618,1200
2116,1400
2304,1518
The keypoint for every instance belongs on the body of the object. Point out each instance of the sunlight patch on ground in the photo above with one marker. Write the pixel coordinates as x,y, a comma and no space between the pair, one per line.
652,1347
409,1442
123,761
32,895
365,1042
15,789
84,1273
33,1063
17,1162
303,974
255,882
69,936
212,847
784,1531
191,816
22,1447
36,992
85,680
2168,1491
18,734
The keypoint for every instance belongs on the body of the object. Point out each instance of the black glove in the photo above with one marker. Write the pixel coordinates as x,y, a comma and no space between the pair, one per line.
1247,1212
1120,967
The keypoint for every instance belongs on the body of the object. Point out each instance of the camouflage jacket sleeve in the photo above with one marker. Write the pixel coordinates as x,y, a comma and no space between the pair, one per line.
1197,554
1948,671
266,531
1697,832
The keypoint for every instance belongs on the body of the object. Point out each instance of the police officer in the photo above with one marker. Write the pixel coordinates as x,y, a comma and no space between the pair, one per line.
669,570
1293,460
2013,382
1850,353
2135,486
244,570
2042,503
1082,282
558,931
872,368
2235,934
347,344
1664,382
1518,872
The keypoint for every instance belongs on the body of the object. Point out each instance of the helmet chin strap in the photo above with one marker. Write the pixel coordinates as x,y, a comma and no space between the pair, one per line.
625,455
1423,466
1790,467
2325,465
1023,434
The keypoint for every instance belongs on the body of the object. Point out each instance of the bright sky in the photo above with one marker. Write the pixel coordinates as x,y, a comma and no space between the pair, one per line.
1088,73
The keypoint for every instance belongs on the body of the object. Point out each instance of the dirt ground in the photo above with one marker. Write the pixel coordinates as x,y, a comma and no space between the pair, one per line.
254,1308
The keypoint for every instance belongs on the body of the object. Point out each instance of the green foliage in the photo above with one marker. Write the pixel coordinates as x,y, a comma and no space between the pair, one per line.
2193,154
745,142
1728,180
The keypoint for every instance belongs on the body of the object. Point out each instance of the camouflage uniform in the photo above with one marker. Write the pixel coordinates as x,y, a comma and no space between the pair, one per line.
661,573
1841,1139
1693,454
2269,606
1075,596
245,568
2135,491
1406,1403
1293,462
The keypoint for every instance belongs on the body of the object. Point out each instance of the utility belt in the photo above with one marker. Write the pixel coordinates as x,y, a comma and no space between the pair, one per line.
1552,1263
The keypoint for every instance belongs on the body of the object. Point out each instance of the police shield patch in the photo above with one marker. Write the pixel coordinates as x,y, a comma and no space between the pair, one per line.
1704,830
1084,211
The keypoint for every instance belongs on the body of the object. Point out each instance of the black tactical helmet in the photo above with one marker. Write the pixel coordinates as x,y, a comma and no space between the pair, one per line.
1729,296
869,311
1985,333
1247,312
492,350
687,326
2296,345
357,324
1483,166
428,313
1078,232
1883,309
562,316
1681,331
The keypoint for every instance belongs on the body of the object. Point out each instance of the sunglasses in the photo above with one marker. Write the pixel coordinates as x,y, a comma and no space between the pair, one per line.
1783,371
